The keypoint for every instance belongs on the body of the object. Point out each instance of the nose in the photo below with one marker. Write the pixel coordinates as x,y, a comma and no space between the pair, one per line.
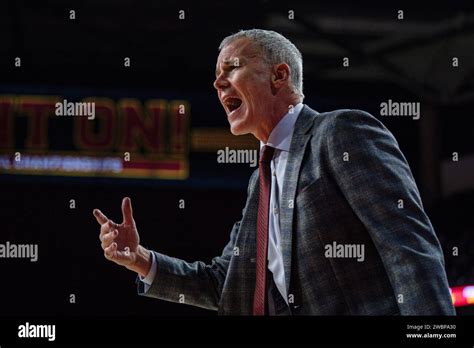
221,82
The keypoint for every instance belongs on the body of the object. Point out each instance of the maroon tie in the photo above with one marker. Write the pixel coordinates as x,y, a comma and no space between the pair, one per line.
262,230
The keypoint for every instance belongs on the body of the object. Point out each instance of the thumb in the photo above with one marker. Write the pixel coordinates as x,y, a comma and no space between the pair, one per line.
127,211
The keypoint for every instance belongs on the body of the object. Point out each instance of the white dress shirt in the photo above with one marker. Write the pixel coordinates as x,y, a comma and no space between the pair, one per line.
280,139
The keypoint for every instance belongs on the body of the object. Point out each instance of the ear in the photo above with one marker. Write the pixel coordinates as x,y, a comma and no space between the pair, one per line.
280,75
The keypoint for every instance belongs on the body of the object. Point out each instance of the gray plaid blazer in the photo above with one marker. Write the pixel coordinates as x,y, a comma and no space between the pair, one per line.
346,182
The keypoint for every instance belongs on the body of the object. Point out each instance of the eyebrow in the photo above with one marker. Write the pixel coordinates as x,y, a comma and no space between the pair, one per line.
229,62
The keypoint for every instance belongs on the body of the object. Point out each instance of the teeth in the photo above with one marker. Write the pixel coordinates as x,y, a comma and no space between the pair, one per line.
233,102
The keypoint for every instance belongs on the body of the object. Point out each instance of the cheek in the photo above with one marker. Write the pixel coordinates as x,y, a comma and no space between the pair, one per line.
254,88
257,95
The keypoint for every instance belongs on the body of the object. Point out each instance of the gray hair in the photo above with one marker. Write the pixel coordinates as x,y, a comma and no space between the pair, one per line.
277,49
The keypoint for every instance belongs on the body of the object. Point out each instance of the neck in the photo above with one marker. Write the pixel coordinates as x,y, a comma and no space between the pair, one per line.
279,110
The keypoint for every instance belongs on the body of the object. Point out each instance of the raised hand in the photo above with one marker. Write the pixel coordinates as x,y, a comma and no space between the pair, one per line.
121,242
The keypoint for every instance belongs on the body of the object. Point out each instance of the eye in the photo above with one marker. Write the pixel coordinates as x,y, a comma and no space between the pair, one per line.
230,67
227,69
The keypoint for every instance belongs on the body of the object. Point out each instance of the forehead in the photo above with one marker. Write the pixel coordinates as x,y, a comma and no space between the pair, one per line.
240,48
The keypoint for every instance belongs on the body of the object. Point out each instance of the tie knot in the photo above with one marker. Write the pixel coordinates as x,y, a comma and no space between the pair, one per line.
266,154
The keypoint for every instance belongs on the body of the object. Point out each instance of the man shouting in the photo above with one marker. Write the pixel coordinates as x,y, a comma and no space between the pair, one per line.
322,231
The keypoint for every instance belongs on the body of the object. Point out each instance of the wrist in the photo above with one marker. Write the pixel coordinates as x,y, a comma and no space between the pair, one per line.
142,262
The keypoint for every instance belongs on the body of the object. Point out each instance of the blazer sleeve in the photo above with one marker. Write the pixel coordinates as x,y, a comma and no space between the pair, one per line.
198,284
375,179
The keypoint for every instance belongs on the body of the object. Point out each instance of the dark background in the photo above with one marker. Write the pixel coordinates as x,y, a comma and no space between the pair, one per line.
407,60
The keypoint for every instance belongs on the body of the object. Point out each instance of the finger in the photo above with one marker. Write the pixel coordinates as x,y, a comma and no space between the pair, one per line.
127,211
101,218
111,251
108,238
109,226
103,236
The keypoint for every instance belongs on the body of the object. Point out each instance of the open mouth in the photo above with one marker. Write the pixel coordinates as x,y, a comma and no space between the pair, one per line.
232,103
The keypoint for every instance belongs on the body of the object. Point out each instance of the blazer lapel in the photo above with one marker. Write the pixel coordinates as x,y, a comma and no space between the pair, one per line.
298,145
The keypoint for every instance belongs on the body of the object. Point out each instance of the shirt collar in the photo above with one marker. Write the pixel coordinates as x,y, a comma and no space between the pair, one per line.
280,137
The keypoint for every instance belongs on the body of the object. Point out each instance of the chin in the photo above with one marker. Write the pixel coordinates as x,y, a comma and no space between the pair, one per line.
241,124
238,129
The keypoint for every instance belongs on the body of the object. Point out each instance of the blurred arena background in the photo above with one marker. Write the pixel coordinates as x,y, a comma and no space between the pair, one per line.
173,151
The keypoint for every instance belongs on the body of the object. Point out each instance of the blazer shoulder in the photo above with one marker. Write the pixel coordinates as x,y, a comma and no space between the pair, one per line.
331,117
348,118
